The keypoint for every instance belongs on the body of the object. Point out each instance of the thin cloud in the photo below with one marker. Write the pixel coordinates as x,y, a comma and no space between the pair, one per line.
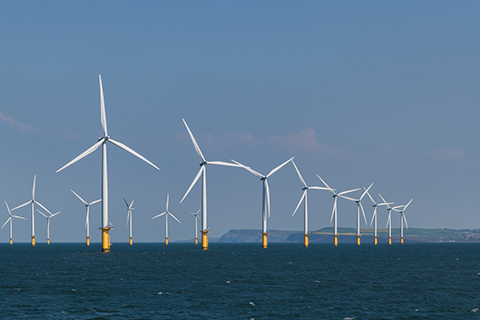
446,154
19,126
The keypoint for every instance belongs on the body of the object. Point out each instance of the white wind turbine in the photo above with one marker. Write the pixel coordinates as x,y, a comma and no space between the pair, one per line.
359,206
33,202
402,217
197,219
166,213
374,217
48,223
10,219
389,220
265,196
203,173
305,199
103,142
87,220
130,209
334,211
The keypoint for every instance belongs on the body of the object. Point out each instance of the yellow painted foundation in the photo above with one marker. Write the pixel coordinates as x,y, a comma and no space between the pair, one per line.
88,241
375,241
205,240
306,241
196,240
166,241
33,241
389,240
358,240
131,240
106,239
401,240
48,241
264,240
11,241
335,240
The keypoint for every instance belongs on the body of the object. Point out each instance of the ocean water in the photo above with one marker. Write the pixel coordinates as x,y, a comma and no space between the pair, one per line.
240,281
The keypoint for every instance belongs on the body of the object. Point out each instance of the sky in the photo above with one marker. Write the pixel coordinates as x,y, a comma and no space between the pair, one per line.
358,92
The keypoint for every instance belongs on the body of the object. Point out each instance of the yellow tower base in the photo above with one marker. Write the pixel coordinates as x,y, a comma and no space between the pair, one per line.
375,241
11,241
196,240
131,240
264,240
166,241
88,241
48,241
305,242
358,240
401,240
33,241
389,240
205,239
335,240
106,239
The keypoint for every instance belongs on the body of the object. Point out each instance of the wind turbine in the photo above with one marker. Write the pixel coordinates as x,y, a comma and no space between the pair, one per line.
402,218
103,142
305,205
130,209
334,211
10,219
359,206
48,223
203,173
389,220
197,218
374,217
166,213
265,197
87,206
33,202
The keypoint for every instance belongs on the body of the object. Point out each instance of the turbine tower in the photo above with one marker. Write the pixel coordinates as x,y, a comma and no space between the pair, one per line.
197,218
334,211
10,219
48,223
265,197
33,202
87,206
359,206
166,213
389,220
402,218
103,142
305,204
374,217
130,209
203,173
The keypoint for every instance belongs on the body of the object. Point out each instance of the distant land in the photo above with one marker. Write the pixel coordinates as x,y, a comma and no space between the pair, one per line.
349,235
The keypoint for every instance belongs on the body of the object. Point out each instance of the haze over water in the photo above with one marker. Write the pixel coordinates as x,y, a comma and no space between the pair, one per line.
240,281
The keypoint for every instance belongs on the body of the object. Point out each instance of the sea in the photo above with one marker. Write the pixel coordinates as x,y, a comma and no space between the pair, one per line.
240,281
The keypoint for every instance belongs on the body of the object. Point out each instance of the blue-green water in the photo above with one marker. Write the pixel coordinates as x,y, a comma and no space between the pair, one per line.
240,281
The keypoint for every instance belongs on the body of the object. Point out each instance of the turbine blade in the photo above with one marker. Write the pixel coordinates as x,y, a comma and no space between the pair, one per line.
42,206
405,219
126,203
103,116
363,211
194,181
348,191
128,217
268,197
22,205
168,196
33,189
124,147
94,202
223,163
407,205
195,144
326,185
384,201
9,218
334,209
159,215
8,209
299,175
279,167
363,194
373,201
249,169
389,218
318,188
84,154
131,204
348,198
174,217
298,205
79,197
18,217
53,215
42,213
374,215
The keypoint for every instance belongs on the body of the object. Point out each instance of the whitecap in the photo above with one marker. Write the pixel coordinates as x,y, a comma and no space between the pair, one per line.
227,281
252,304
474,310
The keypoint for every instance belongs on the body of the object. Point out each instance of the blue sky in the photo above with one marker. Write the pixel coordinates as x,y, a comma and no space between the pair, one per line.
358,92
